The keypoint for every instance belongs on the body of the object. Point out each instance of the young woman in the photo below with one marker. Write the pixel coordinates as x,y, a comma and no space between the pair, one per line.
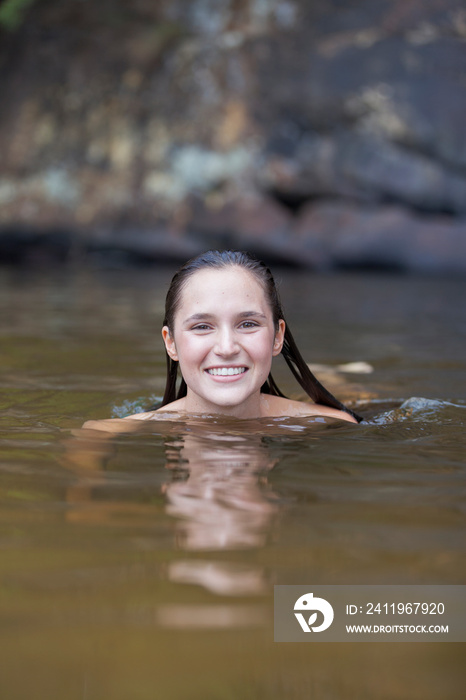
223,325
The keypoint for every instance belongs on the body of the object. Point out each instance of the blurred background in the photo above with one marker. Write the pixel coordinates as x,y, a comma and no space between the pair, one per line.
324,134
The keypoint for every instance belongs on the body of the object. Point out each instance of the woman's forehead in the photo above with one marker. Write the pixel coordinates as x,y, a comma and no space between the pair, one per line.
225,285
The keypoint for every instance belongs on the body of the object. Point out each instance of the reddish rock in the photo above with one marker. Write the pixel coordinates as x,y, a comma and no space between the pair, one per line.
256,223
344,235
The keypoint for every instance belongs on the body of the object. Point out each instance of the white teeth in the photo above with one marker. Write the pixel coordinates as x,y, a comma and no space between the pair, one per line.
226,371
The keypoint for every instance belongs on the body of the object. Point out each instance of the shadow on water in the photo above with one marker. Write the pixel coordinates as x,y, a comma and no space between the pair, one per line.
142,564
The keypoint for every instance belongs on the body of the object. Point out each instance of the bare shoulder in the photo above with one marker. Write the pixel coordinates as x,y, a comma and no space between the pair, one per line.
279,406
109,425
129,424
177,406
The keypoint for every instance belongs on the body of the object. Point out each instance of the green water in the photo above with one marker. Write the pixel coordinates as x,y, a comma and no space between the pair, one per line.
142,565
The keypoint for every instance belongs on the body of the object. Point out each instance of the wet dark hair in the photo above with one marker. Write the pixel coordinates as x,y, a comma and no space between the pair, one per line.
219,259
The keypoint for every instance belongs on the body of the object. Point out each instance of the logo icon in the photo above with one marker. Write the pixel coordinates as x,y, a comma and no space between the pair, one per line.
309,604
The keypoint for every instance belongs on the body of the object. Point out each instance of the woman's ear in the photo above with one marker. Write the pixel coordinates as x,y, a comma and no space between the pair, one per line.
169,343
279,338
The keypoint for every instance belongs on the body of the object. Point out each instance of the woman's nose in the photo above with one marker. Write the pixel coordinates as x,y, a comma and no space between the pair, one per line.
226,344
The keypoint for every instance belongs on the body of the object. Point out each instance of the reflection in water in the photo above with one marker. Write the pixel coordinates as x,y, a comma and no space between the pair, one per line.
222,578
210,616
219,497
222,503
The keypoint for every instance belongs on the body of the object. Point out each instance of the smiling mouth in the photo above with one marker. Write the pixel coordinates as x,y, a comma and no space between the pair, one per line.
226,371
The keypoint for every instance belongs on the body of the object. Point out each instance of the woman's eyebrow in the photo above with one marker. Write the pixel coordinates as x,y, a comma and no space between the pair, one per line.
208,317
198,317
248,314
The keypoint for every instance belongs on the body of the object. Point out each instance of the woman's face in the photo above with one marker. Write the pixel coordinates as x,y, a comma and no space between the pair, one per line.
224,339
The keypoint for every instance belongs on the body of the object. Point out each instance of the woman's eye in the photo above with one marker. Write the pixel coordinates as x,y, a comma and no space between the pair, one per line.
201,327
249,324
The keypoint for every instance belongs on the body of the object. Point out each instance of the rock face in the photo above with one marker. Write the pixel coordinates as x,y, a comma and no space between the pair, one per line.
324,133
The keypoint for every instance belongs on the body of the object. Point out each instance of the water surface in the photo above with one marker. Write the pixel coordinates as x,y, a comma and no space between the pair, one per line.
142,565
